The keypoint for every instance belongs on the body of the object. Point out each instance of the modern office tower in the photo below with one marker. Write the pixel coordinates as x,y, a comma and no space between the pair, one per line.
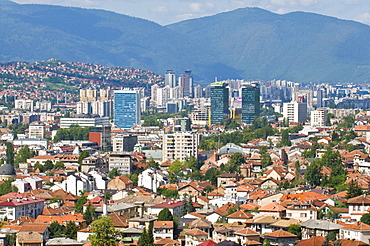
180,145
170,79
250,102
172,107
318,117
198,91
219,102
186,82
101,135
319,98
126,107
295,111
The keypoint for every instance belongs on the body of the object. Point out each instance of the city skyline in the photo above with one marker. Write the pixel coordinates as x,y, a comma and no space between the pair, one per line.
165,12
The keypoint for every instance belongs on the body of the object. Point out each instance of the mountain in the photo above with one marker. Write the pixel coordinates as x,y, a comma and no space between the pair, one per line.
248,43
297,46
40,32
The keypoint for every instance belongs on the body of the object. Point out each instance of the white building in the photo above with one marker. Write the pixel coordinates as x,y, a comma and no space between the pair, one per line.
163,229
318,117
295,111
358,231
180,145
152,179
26,104
122,161
84,121
13,208
36,130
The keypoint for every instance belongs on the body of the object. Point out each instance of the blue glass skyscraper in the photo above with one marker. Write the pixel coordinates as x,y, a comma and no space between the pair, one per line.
126,108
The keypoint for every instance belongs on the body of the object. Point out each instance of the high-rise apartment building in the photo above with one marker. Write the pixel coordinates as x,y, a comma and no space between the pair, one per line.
295,111
198,91
219,102
170,79
126,107
250,102
318,117
180,145
186,82
36,130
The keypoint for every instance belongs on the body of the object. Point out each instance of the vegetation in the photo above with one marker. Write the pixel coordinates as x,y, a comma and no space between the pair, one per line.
114,173
104,233
171,194
72,133
7,187
296,230
165,215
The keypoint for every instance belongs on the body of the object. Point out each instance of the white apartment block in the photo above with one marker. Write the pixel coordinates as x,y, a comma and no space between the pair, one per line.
180,145
36,130
83,122
295,111
26,104
13,208
318,117
122,161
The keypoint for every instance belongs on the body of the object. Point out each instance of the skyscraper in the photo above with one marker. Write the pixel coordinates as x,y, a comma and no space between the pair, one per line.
186,82
219,102
250,102
170,79
126,108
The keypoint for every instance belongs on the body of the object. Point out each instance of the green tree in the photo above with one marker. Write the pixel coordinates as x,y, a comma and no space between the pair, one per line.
23,154
56,229
312,174
165,215
82,156
353,189
350,147
9,153
208,189
365,218
296,230
266,160
104,233
89,214
114,173
144,239
266,242
331,236
71,230
7,187
168,193
152,164
285,141
80,203
11,239
59,165
48,165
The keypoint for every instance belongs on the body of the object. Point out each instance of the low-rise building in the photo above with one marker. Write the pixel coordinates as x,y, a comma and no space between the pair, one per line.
163,229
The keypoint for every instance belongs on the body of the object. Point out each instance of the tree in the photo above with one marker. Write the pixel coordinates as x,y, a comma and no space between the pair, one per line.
285,141
82,156
353,189
104,233
351,147
168,193
312,174
144,239
71,230
266,242
7,187
266,160
208,189
114,173
297,170
59,165
365,218
48,165
296,230
165,215
80,203
152,164
23,154
56,229
89,214
9,153
331,236
11,239
150,234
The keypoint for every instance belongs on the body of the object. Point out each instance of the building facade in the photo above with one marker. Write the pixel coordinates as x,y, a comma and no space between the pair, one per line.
250,102
219,102
126,108
180,145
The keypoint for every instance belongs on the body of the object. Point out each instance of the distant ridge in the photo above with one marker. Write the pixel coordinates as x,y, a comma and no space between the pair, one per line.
247,43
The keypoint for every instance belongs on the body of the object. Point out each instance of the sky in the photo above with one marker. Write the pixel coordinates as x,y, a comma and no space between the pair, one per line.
170,11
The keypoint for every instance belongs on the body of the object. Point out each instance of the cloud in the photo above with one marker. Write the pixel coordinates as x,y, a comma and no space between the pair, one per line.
195,7
364,18
160,9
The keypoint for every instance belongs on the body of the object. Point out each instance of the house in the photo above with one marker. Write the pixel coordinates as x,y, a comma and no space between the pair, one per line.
163,229
273,209
61,241
313,241
357,231
269,183
227,179
202,224
174,206
194,237
18,205
130,236
239,216
221,234
262,224
280,238
141,222
301,211
166,241
32,234
314,228
358,206
120,183
247,234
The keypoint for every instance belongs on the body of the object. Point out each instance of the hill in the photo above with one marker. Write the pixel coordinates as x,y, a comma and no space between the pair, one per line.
297,46
246,43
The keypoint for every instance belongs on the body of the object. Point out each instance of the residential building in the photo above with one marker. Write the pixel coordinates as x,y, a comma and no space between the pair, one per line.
318,117
357,231
21,205
280,238
163,229
194,237
122,161
313,228
170,78
295,111
180,145
250,102
83,121
126,108
36,130
301,211
173,205
124,143
152,179
219,102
